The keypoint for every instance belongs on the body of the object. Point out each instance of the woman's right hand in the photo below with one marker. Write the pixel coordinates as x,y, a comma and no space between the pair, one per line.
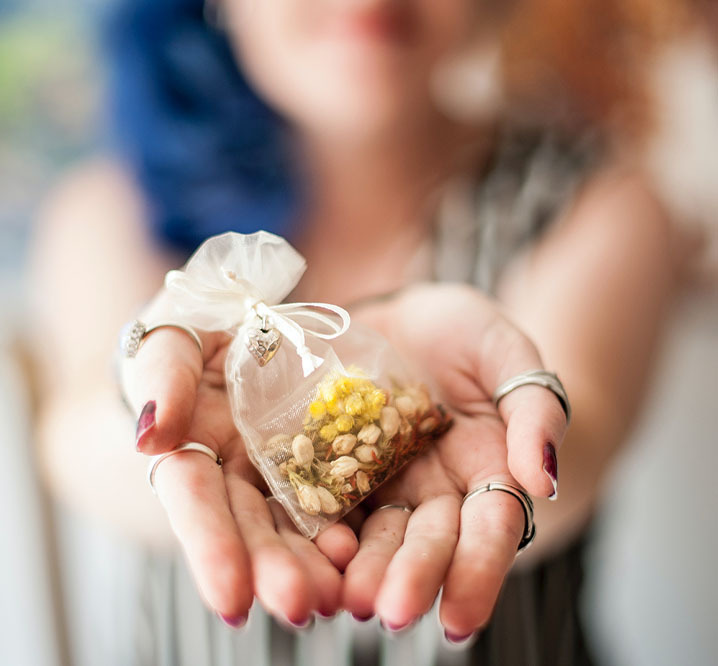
238,545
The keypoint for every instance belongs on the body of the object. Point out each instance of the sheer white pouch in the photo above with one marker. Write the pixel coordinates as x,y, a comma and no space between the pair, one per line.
325,407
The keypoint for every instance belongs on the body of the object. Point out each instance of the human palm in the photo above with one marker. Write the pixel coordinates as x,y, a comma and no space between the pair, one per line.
239,545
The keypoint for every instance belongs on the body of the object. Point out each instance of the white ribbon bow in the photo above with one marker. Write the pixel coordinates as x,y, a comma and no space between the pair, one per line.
233,279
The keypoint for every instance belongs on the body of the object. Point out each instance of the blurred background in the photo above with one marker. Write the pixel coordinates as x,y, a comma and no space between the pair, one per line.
653,592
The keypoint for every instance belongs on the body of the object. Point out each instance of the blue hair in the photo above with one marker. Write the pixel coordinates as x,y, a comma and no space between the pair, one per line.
210,155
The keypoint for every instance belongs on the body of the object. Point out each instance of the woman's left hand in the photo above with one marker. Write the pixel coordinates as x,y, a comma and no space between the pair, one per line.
468,348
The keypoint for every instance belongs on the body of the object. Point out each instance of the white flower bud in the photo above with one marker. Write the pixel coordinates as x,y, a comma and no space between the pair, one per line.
421,398
429,424
369,434
389,421
347,488
327,501
345,466
303,450
309,499
276,445
344,444
366,453
363,482
406,406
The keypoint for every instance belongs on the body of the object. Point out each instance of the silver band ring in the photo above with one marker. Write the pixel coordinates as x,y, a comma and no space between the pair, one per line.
136,332
187,446
543,378
393,506
526,504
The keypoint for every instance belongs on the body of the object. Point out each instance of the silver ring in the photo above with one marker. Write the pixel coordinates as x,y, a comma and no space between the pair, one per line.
526,504
136,331
187,446
393,506
543,378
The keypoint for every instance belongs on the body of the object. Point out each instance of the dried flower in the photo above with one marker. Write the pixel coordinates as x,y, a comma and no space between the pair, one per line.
303,450
344,444
276,444
369,434
406,406
429,424
317,409
420,396
363,482
344,466
328,432
344,423
366,453
309,500
389,421
327,501
347,487
283,469
354,404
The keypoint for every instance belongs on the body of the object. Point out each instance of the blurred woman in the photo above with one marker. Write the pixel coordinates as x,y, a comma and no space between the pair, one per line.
392,143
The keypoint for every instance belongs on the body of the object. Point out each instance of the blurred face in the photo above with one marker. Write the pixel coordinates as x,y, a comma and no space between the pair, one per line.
357,67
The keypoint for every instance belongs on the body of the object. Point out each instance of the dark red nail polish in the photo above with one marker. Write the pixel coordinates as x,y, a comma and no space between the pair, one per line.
456,639
550,466
363,618
145,422
234,622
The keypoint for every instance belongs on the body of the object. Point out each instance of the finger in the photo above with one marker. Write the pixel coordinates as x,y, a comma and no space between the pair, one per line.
326,580
281,582
492,525
338,543
535,420
381,536
417,570
191,488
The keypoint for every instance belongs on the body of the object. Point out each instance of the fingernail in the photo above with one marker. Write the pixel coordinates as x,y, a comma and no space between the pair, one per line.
145,422
301,625
394,628
363,618
234,622
550,466
456,639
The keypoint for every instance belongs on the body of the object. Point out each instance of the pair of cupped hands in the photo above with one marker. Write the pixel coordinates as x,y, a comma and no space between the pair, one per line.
390,563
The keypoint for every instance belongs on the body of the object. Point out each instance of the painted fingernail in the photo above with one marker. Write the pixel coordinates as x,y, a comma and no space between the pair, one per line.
145,423
363,618
550,466
457,639
235,622
394,628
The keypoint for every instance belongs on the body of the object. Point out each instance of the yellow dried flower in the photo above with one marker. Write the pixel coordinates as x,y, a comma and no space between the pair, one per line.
344,385
354,404
317,409
327,392
335,407
376,399
328,432
344,423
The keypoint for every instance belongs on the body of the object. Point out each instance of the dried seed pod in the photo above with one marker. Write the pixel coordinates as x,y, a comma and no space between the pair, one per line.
344,444
327,501
366,453
345,466
389,421
406,406
363,482
309,499
369,434
303,450
429,424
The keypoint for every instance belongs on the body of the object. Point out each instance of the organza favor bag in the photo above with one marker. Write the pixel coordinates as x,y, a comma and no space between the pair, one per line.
325,407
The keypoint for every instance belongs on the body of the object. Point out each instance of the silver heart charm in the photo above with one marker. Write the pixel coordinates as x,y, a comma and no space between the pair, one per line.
263,344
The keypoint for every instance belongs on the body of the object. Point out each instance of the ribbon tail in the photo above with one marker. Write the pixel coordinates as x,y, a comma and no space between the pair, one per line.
310,362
